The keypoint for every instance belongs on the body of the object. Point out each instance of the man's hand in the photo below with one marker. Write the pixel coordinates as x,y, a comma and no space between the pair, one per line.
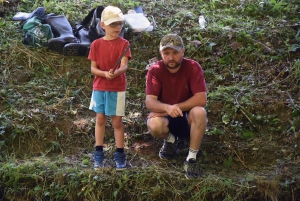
174,111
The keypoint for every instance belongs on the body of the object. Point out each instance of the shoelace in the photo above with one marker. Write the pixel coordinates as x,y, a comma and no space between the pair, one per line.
119,158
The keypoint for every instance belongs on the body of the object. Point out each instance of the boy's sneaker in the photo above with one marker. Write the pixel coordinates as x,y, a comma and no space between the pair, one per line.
191,168
120,159
98,158
167,151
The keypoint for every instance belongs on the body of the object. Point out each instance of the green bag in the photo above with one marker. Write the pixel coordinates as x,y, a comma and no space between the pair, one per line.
36,34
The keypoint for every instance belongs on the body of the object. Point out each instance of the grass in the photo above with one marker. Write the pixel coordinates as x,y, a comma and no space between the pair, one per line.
250,55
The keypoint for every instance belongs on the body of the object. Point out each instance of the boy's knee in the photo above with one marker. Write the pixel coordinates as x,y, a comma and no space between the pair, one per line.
117,122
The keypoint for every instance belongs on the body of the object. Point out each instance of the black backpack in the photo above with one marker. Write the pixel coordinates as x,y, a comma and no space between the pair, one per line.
95,31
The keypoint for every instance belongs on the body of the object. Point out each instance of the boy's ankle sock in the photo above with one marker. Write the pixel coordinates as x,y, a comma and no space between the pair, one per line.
121,150
99,148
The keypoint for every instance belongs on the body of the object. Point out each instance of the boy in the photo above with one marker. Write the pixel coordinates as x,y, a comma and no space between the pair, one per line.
108,97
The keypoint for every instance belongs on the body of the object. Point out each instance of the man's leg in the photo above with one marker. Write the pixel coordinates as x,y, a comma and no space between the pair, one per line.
197,120
158,127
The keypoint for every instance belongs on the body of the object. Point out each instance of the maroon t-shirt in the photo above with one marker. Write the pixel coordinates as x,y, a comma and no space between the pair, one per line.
173,88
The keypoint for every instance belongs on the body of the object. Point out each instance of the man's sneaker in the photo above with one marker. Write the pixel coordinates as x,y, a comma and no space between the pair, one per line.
191,168
98,158
120,159
167,151
180,144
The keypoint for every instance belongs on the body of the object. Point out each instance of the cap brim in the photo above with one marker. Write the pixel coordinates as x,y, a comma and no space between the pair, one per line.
178,48
116,19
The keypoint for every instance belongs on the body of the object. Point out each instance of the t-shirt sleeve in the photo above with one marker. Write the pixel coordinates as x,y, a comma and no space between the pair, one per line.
92,55
128,53
198,83
153,84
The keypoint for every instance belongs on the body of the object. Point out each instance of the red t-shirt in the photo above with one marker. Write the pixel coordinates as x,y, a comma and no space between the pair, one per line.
106,53
173,88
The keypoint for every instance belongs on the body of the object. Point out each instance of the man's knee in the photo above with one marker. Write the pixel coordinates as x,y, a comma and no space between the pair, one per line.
155,127
198,114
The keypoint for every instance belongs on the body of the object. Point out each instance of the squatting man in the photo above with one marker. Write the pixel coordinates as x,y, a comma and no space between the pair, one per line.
176,97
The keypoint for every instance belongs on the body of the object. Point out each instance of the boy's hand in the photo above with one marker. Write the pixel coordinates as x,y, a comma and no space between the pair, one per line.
110,74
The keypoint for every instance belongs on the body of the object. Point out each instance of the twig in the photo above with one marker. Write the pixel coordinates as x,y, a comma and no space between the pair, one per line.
247,118
238,157
279,74
264,46
62,100
244,113
132,158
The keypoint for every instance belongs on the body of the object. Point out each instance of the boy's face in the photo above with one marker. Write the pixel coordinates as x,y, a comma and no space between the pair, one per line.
114,29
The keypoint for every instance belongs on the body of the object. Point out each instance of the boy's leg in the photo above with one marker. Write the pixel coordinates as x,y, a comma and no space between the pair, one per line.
118,126
96,105
119,156
100,129
99,138
116,108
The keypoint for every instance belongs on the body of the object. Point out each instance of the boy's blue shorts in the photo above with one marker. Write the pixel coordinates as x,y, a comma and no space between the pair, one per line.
109,103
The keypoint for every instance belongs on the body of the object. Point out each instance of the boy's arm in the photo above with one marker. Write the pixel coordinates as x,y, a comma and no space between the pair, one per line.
97,71
123,67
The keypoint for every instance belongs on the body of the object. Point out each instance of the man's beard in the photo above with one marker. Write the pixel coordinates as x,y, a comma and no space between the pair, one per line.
177,64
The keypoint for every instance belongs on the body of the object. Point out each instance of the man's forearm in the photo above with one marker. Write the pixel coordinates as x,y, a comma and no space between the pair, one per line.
156,106
198,100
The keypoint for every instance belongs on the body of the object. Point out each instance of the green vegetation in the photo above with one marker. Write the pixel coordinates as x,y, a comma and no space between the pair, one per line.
250,54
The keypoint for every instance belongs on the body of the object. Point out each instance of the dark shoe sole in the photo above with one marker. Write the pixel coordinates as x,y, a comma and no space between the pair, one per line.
76,49
57,44
165,158
186,176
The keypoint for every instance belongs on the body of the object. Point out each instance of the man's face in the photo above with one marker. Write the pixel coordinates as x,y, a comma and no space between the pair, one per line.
172,58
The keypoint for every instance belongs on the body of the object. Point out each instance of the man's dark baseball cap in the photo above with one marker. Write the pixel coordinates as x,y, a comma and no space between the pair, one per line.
171,41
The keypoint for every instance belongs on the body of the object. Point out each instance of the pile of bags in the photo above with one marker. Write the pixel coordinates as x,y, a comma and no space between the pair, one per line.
56,33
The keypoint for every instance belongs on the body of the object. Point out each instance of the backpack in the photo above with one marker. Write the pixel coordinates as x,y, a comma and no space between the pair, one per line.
95,31
36,34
